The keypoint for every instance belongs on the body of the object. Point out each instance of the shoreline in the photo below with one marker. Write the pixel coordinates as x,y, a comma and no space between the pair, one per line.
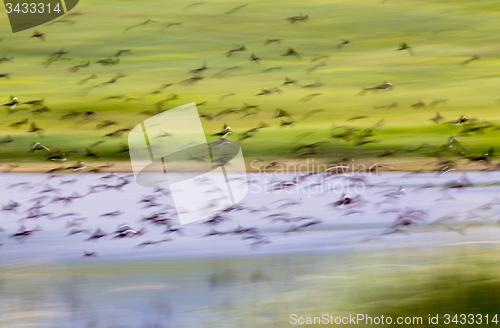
256,166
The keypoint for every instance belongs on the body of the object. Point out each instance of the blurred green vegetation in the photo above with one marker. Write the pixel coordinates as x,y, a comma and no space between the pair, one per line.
262,291
443,34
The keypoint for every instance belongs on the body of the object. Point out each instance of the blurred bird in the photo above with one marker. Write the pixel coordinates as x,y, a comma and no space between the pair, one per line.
38,35
91,77
35,147
199,70
6,140
289,81
35,128
5,59
149,21
235,9
282,113
437,118
474,57
76,68
382,87
292,52
418,104
108,61
193,5
342,44
169,25
18,124
405,46
226,130
237,49
121,52
315,67
89,254
270,41
299,18
310,96
254,58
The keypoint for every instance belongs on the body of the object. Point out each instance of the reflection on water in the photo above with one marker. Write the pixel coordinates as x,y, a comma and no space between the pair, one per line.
354,261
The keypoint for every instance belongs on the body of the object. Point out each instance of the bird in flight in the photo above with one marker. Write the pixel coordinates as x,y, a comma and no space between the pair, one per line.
38,35
474,57
342,44
76,68
386,86
237,49
299,18
235,9
149,21
254,58
405,46
269,41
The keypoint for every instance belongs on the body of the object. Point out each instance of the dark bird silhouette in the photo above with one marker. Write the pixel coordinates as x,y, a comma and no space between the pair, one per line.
311,113
35,128
56,56
235,9
267,70
6,140
235,50
405,46
310,96
282,113
289,81
18,124
474,57
5,59
299,18
108,61
160,89
153,242
192,80
386,86
169,25
121,52
85,80
76,68
97,234
292,52
270,41
149,21
485,157
199,70
24,233
115,79
38,35
342,44
315,67
418,104
254,58
436,118
434,103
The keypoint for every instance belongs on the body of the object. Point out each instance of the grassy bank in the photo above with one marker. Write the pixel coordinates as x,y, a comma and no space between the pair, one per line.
443,34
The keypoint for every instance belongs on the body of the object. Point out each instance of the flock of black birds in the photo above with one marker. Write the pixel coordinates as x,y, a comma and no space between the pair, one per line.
451,151
163,215
448,154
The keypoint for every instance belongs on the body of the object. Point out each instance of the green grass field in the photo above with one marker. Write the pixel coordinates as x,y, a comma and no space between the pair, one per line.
443,34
